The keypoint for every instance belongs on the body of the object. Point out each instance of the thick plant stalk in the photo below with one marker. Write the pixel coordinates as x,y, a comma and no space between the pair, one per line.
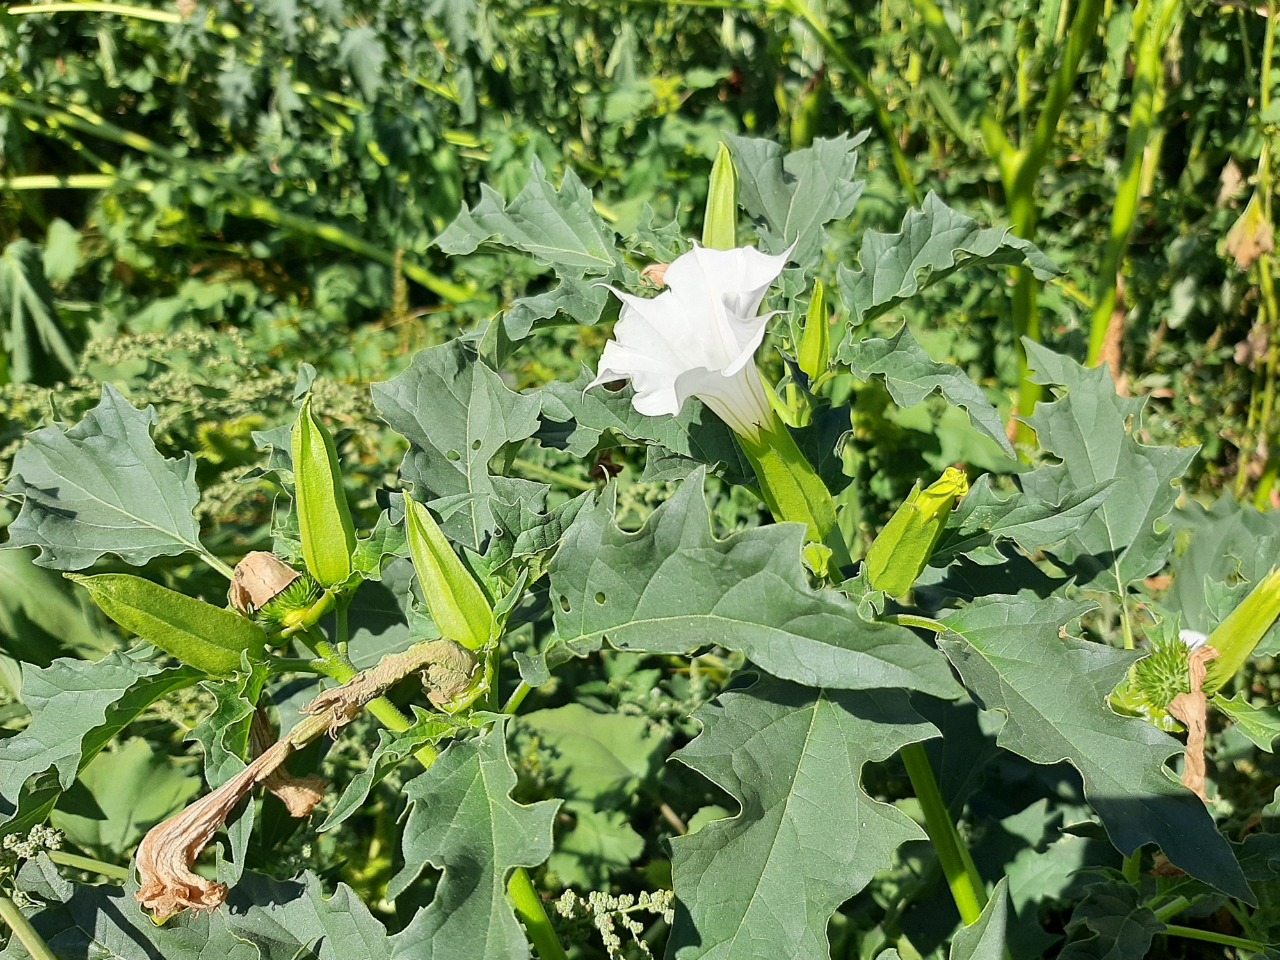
967,888
1153,24
23,931
1020,171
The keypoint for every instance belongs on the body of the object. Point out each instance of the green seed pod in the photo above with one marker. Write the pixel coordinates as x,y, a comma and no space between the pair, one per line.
899,554
720,225
324,519
199,634
457,604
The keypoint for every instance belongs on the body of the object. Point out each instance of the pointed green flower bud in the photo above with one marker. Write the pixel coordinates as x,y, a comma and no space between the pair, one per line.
899,554
720,225
1242,630
457,604
815,341
324,519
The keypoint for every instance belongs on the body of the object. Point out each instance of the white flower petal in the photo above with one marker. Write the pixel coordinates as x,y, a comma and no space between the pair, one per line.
698,337
1194,639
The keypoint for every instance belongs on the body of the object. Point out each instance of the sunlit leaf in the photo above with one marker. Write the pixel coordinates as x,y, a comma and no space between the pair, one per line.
807,836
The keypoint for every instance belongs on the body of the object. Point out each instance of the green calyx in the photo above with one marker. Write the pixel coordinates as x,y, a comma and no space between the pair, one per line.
284,608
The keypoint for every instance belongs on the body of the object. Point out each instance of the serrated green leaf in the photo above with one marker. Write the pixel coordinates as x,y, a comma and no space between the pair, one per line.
582,300
1260,724
132,788
934,243
987,938
672,588
363,53
695,432
198,634
530,531
807,835
793,196
101,488
1090,430
392,749
263,920
457,414
557,227
911,375
463,821
1112,922
77,707
1010,656
599,844
982,519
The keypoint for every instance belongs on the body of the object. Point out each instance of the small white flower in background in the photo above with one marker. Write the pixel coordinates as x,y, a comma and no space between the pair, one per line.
1194,639
698,338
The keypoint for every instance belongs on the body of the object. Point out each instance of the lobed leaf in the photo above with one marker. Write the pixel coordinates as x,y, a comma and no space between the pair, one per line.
911,375
793,196
764,884
101,488
457,414
672,588
1091,430
934,243
463,821
1054,692
77,707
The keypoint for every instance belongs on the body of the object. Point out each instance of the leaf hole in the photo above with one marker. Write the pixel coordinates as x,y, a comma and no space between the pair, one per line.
600,599
454,455
564,603
475,444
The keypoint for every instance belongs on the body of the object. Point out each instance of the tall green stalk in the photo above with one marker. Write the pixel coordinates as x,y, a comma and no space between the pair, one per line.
1153,24
1020,168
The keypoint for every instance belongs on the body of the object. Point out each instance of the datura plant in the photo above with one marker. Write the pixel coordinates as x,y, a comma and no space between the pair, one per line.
890,694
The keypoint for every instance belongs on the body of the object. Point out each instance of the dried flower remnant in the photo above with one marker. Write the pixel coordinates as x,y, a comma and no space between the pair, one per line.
300,795
1192,710
167,852
259,578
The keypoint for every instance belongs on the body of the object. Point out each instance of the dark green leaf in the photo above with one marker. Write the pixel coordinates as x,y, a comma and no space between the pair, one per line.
1111,923
672,588
77,707
102,487
34,334
792,196
463,821
1054,691
695,432
557,227
986,939
457,414
934,243
911,375
807,835
982,519
1091,430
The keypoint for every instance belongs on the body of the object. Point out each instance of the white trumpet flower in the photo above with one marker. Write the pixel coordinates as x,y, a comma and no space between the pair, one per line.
698,338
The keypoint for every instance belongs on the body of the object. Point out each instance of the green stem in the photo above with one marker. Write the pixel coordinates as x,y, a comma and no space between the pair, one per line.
517,697
24,931
49,181
792,489
91,6
551,476
529,908
1150,33
217,564
1132,869
88,864
967,888
1191,933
